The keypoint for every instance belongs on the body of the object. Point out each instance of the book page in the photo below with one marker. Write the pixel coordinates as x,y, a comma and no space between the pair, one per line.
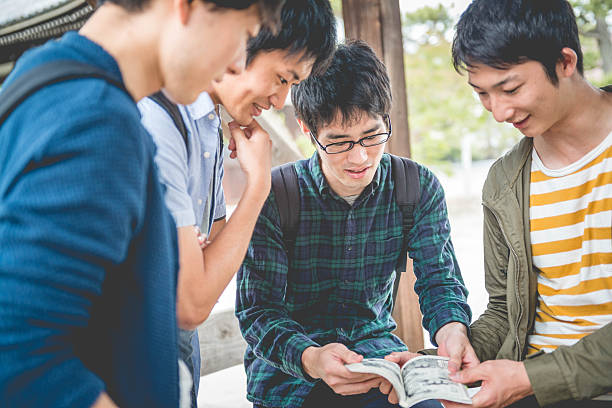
384,368
426,377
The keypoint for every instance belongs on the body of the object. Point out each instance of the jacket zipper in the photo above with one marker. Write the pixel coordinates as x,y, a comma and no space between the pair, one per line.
518,299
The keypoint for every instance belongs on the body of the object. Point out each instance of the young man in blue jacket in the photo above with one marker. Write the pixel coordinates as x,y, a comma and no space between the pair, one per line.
88,249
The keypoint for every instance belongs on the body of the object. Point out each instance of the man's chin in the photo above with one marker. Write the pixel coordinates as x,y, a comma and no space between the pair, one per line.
240,117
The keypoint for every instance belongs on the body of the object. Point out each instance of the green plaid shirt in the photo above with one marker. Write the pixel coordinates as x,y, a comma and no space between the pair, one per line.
337,286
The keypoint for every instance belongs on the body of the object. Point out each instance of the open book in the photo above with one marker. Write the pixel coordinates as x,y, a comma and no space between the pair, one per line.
420,379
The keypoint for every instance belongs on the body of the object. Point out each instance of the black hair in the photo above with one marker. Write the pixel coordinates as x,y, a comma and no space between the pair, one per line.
355,83
269,10
501,33
307,26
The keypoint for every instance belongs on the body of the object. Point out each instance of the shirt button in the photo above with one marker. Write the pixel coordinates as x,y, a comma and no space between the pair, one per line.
349,248
346,282
200,201
211,116
206,155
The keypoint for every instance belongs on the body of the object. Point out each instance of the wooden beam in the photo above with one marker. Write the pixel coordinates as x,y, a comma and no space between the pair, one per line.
393,51
362,20
378,23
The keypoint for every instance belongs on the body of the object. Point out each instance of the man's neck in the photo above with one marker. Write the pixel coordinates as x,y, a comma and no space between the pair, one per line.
587,122
131,38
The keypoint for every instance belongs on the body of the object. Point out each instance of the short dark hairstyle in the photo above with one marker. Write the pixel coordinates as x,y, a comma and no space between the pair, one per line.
355,83
269,10
502,33
307,26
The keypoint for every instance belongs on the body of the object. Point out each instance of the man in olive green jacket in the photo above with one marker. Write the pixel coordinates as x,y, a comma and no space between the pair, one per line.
523,58
545,338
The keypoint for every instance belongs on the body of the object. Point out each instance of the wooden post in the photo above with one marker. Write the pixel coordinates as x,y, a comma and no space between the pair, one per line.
378,23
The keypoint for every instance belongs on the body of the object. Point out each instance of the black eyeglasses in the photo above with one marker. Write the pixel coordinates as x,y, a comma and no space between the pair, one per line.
367,141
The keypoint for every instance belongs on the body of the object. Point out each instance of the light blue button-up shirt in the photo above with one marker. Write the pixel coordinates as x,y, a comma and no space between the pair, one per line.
194,193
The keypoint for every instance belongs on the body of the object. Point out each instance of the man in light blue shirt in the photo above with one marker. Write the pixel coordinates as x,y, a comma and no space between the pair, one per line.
192,174
192,169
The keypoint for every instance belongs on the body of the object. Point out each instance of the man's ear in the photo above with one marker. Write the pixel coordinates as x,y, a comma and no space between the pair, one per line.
567,66
303,126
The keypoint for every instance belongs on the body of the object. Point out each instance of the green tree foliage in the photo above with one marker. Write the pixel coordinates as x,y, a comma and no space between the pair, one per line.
445,113
592,17
426,25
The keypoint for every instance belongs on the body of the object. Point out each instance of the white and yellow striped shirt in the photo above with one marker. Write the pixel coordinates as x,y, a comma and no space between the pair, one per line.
571,242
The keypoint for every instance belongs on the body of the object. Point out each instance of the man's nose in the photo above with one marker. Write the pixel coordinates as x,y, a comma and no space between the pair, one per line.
358,154
502,111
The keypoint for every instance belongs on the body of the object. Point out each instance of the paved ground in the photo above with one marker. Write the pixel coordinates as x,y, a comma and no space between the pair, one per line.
226,388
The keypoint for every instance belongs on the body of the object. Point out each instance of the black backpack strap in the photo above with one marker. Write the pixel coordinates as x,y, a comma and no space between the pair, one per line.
407,189
47,74
287,195
607,88
173,111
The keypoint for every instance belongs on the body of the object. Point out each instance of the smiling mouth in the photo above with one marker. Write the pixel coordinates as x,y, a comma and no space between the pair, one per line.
522,123
257,109
357,173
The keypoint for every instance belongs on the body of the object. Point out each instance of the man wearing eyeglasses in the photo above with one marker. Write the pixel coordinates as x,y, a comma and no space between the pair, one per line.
306,311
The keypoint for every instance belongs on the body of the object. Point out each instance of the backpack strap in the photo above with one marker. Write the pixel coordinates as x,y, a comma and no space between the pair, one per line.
173,111
607,88
287,195
407,190
46,74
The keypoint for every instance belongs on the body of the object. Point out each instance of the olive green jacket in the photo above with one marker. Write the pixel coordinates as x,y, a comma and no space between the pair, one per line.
581,371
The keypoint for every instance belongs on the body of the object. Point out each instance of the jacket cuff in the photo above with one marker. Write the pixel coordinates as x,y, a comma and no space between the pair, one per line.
547,380
292,361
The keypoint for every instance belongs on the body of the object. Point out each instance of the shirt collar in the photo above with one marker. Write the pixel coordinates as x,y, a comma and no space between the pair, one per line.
324,189
202,107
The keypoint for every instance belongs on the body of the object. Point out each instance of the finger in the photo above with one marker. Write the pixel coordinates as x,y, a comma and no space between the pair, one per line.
349,356
470,359
351,377
393,399
232,144
454,364
237,134
357,388
394,357
469,375
385,387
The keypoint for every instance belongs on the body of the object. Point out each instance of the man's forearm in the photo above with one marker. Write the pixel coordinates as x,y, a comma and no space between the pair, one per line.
224,255
201,281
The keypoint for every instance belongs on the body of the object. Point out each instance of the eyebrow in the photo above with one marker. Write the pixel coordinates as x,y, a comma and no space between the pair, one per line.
500,83
294,74
341,136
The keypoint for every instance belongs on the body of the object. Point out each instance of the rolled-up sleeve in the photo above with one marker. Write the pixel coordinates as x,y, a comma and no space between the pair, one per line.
442,293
